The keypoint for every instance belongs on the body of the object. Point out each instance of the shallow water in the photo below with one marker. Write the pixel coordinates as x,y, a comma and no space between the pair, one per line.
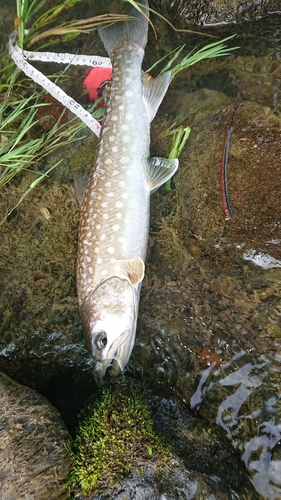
232,306
202,293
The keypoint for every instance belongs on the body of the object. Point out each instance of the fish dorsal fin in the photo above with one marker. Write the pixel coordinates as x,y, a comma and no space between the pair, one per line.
134,268
160,170
154,90
80,178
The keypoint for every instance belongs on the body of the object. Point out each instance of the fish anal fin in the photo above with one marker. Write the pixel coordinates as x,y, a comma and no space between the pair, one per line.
159,171
134,268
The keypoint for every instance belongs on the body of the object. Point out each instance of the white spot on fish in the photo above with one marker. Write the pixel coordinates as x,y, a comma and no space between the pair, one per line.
114,118
115,227
108,161
119,204
103,237
115,172
126,138
108,184
129,93
111,138
91,271
124,127
89,259
110,194
122,239
121,107
111,249
122,183
97,250
119,215
129,116
104,204
105,216
117,97
99,260
128,80
125,196
128,61
98,226
104,272
125,159
114,149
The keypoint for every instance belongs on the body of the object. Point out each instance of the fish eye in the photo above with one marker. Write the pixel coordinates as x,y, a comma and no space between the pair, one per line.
101,339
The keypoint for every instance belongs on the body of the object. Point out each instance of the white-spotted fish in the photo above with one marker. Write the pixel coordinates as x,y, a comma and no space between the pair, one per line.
114,222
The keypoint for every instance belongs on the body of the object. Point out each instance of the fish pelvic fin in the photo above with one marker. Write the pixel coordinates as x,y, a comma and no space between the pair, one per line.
154,90
126,33
159,171
134,268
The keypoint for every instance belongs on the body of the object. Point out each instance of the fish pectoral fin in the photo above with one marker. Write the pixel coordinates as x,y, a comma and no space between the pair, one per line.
80,178
154,90
134,268
160,170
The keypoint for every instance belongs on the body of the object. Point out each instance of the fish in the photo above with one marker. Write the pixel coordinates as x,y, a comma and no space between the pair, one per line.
114,220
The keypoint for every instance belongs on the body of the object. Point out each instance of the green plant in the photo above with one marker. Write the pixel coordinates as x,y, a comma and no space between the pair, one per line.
180,137
32,12
215,49
22,148
115,435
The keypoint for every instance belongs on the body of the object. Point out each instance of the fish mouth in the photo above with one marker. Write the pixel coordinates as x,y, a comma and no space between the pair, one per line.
111,367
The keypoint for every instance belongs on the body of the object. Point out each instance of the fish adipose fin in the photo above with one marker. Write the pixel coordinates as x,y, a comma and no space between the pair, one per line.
159,171
134,268
133,31
154,90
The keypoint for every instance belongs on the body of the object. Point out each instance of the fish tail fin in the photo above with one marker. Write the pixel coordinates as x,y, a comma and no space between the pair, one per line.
127,33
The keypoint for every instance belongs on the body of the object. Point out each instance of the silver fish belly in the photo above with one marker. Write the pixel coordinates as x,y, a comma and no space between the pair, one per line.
114,223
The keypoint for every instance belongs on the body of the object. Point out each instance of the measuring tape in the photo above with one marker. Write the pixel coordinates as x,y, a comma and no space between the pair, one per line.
20,57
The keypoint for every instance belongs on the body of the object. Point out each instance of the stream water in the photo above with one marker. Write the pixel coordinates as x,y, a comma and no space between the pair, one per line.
219,292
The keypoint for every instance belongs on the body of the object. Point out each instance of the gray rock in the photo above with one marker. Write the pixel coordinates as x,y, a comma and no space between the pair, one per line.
33,460
214,12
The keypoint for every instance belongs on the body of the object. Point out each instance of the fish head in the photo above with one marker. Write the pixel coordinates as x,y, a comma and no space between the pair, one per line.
109,323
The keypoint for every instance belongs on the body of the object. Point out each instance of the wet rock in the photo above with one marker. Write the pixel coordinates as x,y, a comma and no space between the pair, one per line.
253,181
214,12
199,465
175,483
222,285
33,459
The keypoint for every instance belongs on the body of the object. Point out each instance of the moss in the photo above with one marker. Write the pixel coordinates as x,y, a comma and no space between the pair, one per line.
115,435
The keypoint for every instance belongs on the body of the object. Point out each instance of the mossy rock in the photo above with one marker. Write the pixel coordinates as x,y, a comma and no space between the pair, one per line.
115,436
